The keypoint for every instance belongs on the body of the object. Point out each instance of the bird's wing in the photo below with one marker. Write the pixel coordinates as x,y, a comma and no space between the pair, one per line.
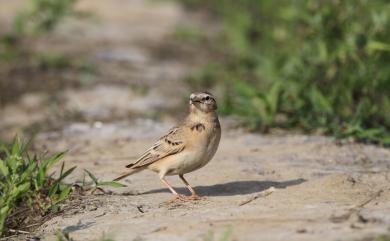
170,144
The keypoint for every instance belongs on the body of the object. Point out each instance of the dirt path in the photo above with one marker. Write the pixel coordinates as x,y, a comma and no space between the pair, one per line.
323,190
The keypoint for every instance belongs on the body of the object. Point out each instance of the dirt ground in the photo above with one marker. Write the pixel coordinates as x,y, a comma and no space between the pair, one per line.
258,187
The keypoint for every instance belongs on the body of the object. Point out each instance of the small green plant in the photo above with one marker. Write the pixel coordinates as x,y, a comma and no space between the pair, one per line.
29,188
97,185
385,237
63,236
26,182
226,236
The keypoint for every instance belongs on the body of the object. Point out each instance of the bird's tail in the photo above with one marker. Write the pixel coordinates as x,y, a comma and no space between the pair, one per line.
128,173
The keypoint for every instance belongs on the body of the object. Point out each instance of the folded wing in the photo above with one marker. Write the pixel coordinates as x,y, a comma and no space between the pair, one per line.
170,144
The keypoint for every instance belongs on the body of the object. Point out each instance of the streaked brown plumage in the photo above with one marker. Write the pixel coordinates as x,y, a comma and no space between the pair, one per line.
186,147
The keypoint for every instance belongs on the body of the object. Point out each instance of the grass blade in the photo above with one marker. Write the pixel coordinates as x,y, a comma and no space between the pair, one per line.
3,168
53,160
64,194
66,173
111,184
94,179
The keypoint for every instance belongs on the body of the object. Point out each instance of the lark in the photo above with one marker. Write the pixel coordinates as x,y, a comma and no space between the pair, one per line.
185,148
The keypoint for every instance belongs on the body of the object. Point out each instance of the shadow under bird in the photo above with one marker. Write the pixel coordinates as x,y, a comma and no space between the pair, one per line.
185,148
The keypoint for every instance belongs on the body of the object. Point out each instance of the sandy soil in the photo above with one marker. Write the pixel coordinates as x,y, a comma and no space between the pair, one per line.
280,187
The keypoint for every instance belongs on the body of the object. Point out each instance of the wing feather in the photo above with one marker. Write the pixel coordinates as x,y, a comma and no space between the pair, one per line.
170,144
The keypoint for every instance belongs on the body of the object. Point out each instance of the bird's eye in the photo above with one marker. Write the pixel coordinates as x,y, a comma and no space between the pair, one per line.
207,98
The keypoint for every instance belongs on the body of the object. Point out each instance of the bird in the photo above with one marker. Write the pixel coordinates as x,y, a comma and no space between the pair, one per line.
186,147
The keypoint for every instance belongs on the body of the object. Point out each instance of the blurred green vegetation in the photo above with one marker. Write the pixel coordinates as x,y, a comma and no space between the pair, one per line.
39,17
383,238
321,66
23,66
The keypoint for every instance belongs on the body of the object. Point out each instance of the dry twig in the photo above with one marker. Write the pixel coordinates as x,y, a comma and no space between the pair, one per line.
260,194
18,231
348,214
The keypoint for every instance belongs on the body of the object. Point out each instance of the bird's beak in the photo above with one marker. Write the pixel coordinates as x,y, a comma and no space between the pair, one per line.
193,99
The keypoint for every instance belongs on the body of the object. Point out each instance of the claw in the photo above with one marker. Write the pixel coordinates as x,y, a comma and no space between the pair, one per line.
178,197
183,198
195,197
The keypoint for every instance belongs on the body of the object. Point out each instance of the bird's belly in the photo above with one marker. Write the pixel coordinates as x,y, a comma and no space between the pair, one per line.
189,162
202,158
189,159
181,163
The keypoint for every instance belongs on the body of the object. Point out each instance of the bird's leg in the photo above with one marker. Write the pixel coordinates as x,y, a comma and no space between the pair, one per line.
177,195
194,195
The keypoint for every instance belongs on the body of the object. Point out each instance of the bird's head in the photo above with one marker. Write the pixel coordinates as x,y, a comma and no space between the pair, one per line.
203,101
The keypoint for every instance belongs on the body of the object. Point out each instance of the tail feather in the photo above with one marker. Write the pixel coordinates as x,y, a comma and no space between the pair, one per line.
128,173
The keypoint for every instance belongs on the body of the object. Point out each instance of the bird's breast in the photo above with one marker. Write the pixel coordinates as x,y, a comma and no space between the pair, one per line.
208,141
199,150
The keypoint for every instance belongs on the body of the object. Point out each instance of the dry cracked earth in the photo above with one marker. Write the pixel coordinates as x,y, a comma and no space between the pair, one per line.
258,187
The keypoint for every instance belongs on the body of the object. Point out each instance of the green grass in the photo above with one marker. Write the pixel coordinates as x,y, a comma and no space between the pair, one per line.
96,184
226,236
383,238
27,182
320,66
30,184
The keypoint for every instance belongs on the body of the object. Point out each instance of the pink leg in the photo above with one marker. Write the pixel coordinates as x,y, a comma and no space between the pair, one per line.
194,195
177,195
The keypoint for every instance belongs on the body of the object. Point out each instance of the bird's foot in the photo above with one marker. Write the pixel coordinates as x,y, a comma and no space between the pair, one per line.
183,198
178,197
195,197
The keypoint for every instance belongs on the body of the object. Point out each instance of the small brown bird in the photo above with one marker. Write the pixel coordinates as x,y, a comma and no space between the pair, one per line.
186,147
